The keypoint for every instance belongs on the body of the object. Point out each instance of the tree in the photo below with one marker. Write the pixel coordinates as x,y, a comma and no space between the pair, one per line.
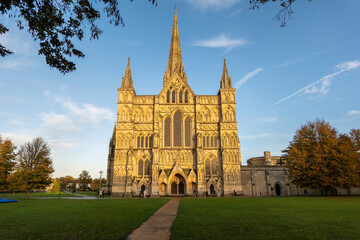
84,180
54,24
7,161
320,158
66,182
285,12
96,184
56,185
34,165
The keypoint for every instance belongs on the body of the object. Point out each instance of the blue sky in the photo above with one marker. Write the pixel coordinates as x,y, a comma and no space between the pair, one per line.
284,76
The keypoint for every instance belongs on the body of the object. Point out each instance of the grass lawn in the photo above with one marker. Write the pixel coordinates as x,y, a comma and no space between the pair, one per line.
268,218
74,219
35,194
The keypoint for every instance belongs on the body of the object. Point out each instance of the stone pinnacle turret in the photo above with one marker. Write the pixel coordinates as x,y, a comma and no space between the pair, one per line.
225,79
127,82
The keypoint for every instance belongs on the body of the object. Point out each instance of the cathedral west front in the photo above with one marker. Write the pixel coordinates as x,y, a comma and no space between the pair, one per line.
176,142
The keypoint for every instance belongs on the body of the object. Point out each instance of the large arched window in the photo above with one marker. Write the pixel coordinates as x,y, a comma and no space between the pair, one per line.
211,166
140,167
187,132
207,167
147,167
177,129
167,133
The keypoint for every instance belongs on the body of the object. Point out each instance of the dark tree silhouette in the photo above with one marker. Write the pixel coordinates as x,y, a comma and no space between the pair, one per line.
55,24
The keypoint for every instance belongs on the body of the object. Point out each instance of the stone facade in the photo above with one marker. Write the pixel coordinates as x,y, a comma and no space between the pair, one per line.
268,176
176,142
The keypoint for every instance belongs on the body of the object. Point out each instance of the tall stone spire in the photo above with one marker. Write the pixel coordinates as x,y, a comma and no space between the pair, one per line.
225,79
127,82
175,61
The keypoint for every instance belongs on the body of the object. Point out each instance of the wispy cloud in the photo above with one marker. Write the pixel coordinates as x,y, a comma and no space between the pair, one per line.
264,135
247,77
18,139
353,112
324,81
23,51
75,118
221,41
269,119
212,4
234,13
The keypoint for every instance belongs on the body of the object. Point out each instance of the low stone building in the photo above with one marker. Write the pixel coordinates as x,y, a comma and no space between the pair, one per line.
268,176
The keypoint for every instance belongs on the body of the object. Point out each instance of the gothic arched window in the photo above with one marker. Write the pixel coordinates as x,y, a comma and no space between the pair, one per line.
167,133
168,97
186,97
138,141
173,97
140,167
187,132
207,167
213,167
177,129
142,141
147,167
180,96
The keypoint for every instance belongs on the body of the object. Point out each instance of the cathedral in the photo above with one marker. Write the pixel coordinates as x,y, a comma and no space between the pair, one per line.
175,143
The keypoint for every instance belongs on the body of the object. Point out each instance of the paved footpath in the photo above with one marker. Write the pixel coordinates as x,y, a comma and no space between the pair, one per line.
158,226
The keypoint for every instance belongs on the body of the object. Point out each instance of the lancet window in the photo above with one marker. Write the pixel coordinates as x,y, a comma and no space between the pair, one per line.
211,166
144,166
177,131
144,141
210,141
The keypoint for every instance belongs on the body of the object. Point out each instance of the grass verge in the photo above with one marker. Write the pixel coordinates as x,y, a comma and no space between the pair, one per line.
268,218
75,219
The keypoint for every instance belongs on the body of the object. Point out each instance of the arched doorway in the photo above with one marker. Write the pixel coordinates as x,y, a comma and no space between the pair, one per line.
181,188
278,189
142,190
177,185
212,189
173,188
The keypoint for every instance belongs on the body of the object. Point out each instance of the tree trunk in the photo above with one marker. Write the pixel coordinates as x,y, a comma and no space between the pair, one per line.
27,194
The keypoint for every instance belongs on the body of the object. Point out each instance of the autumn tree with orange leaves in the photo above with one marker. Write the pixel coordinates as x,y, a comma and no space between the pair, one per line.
319,157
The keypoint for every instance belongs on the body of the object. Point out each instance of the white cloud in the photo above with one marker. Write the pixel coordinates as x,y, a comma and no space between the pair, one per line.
212,4
269,119
264,135
75,118
23,50
353,112
18,139
221,41
247,77
324,81
86,113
